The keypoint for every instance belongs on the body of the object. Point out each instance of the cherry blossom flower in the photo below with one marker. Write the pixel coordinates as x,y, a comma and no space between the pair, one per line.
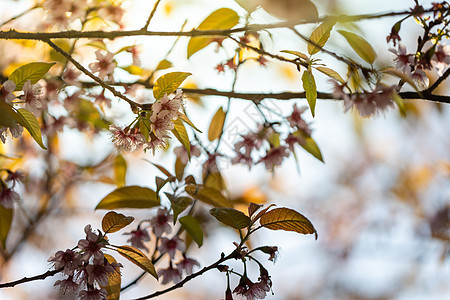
8,197
272,251
15,177
403,59
296,120
182,153
69,260
71,75
93,294
126,139
338,91
160,222
3,134
252,291
220,68
16,131
138,237
160,125
420,77
104,66
249,142
101,100
441,58
6,91
32,96
168,107
52,87
187,264
92,245
170,274
210,164
170,246
230,64
112,12
99,273
370,103
393,36
274,157
242,158
67,285
154,143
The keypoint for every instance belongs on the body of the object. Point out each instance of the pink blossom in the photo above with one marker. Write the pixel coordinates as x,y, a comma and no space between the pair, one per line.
71,75
32,96
8,197
105,64
69,260
403,59
170,246
52,87
170,275
441,58
101,100
296,120
167,107
338,91
111,12
6,91
420,77
160,222
160,125
91,246
182,153
138,237
3,134
370,103
274,157
154,143
126,139
93,294
16,131
187,264
99,273
242,158
15,177
210,164
67,285
249,142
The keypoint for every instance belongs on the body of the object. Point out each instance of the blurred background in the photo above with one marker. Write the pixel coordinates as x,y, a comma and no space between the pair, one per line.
380,202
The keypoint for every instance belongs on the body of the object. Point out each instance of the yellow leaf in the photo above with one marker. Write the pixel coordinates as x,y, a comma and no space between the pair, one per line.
331,73
360,46
113,222
320,36
288,220
6,216
168,83
120,170
129,197
137,257
179,131
114,281
216,126
221,19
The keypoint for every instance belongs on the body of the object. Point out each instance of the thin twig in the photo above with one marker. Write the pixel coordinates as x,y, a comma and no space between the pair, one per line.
95,78
28,279
438,81
74,34
150,17
224,258
19,15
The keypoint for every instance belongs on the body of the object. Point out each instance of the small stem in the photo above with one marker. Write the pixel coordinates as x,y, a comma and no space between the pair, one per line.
150,17
28,279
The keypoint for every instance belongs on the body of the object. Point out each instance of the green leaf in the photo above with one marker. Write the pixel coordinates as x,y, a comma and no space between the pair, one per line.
29,121
179,131
34,72
120,170
297,53
221,19
331,73
6,216
309,85
178,204
145,126
114,281
137,257
186,120
231,217
360,46
168,83
85,111
164,64
129,197
320,36
193,228
288,220
7,115
216,126
208,195
113,222
310,145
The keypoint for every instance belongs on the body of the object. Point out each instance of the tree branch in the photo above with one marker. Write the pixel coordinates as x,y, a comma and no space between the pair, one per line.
74,34
95,78
28,279
224,258
438,81
150,17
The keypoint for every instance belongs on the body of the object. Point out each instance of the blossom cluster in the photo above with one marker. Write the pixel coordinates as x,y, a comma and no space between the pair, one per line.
85,267
161,228
62,13
163,112
266,135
